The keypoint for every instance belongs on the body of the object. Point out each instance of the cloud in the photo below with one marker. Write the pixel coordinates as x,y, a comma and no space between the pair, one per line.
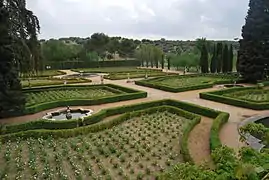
171,19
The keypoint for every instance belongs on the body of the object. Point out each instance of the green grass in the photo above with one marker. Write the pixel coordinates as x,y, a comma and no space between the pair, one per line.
48,73
51,81
38,97
138,148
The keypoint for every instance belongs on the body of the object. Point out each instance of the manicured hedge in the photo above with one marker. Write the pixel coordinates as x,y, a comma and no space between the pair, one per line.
128,95
92,64
94,123
218,96
148,83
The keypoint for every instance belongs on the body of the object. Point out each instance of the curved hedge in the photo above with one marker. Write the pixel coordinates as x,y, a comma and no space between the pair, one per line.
147,83
218,96
127,94
69,128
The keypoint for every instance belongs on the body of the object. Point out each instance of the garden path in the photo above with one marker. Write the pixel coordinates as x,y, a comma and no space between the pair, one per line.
199,138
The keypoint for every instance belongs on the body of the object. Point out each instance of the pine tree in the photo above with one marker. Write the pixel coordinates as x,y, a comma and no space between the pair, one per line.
219,57
213,63
204,59
11,96
225,59
231,57
253,52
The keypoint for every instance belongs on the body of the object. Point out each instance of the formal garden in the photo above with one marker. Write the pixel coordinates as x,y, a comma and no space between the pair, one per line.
68,109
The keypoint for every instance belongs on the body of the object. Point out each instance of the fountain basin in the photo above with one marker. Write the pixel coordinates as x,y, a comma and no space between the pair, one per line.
61,114
232,85
252,140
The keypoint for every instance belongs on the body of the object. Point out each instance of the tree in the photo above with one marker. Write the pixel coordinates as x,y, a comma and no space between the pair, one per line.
225,59
231,57
219,57
213,64
253,52
162,61
204,60
18,37
97,43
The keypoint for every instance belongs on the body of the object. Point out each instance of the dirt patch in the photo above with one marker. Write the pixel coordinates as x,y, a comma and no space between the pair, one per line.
198,142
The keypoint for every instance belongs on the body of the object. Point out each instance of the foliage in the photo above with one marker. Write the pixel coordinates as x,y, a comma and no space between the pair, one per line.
248,97
149,54
230,59
225,59
185,82
11,97
185,60
253,52
213,63
204,59
219,57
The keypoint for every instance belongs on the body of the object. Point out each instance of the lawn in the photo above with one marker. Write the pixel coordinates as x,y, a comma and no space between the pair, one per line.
185,82
138,148
39,97
51,81
108,69
48,73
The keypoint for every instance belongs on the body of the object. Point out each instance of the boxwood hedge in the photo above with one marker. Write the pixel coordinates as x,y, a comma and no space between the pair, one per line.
218,96
70,128
127,94
148,83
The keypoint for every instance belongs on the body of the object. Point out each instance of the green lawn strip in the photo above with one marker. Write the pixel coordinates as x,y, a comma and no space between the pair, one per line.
223,96
185,82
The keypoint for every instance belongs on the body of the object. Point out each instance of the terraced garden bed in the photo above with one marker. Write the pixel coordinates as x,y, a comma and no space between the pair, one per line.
51,81
139,148
248,97
186,82
56,96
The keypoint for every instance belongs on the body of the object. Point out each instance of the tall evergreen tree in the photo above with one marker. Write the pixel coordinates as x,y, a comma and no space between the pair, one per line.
162,61
168,63
225,59
204,59
219,57
213,64
253,54
231,57
11,96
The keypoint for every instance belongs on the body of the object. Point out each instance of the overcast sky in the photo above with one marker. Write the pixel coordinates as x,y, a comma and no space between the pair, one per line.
151,19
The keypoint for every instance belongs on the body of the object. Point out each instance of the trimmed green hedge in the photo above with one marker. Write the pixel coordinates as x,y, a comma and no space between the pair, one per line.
128,95
94,123
147,83
218,96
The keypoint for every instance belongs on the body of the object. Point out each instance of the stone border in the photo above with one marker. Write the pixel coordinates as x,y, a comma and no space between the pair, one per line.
49,115
252,141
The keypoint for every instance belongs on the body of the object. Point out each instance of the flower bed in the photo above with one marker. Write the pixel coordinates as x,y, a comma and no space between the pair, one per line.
186,82
248,97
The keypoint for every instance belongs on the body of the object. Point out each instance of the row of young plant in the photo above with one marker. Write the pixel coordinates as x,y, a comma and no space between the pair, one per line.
37,129
127,95
220,96
156,85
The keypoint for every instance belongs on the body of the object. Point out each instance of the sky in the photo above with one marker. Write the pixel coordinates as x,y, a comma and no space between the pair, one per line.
149,19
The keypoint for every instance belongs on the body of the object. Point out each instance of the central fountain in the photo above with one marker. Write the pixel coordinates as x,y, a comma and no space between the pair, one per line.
67,114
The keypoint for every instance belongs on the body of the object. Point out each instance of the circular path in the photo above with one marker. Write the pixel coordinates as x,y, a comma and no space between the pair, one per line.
199,137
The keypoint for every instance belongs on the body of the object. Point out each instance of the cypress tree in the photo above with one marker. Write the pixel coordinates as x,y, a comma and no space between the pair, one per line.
168,63
11,97
253,52
225,59
231,57
219,57
162,61
213,61
204,59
